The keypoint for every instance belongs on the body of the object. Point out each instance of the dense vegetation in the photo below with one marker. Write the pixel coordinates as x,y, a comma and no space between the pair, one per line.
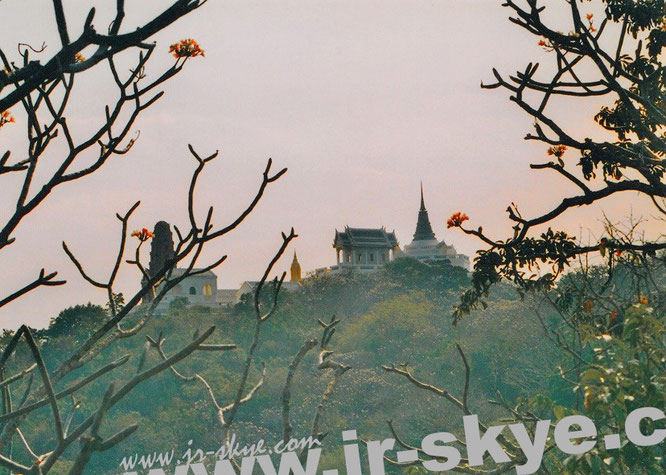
399,315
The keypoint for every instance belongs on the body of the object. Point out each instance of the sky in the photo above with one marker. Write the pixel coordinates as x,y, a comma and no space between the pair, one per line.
360,100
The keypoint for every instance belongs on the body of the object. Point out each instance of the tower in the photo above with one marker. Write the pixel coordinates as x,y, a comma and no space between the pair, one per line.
198,287
424,230
425,246
295,269
161,248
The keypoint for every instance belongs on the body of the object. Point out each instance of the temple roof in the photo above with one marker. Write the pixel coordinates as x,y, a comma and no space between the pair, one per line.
251,285
364,237
178,271
424,230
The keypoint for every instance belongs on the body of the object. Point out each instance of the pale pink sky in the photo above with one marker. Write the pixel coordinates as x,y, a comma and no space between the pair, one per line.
360,99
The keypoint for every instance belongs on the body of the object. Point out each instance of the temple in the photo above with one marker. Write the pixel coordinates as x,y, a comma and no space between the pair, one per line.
363,249
425,247
295,270
199,288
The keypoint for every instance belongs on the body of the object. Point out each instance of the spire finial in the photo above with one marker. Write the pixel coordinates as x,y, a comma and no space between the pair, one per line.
295,269
422,200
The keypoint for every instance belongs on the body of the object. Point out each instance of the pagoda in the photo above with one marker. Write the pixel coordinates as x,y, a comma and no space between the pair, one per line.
425,246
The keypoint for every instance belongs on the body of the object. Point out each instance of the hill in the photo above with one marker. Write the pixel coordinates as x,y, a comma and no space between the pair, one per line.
399,315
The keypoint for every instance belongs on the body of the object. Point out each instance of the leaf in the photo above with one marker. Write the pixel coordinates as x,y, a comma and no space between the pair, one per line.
560,412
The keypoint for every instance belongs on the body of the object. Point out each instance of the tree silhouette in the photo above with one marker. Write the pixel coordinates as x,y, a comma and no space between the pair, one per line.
631,71
44,91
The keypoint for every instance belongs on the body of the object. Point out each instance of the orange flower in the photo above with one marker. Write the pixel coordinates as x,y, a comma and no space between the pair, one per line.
79,58
187,48
644,300
618,253
545,45
6,118
143,235
557,150
456,220
589,16
613,316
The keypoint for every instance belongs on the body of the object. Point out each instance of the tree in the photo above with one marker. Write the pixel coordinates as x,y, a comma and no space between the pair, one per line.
611,335
79,319
43,91
607,320
633,74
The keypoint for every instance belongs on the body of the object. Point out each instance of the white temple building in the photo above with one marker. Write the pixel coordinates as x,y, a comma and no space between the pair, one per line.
361,250
425,246
199,288
369,249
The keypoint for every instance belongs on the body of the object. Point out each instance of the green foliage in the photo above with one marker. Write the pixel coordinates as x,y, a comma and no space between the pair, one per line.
391,316
629,68
626,373
640,15
79,320
395,317
609,324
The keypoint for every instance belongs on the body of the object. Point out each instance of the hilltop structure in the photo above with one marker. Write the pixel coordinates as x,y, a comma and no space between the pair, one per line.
356,249
295,270
201,287
364,249
369,249
425,247
361,250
